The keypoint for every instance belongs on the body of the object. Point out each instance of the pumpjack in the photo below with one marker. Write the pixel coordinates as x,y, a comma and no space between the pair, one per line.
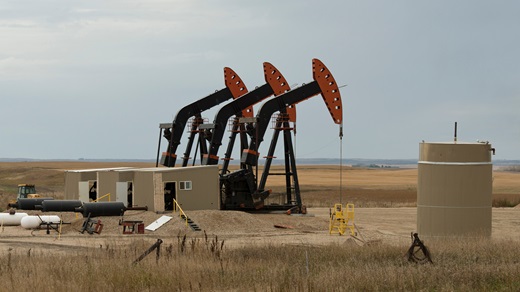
241,108
235,88
240,189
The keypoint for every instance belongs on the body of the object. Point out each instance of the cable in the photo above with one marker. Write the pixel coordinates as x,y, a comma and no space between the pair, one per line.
340,161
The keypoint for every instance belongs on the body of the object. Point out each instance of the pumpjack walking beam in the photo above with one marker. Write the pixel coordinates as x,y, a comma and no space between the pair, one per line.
234,88
323,84
241,107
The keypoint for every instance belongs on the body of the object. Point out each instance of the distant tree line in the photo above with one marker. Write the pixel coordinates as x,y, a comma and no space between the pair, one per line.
374,166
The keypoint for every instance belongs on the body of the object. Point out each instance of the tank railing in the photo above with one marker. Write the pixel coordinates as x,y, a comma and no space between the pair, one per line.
107,195
176,207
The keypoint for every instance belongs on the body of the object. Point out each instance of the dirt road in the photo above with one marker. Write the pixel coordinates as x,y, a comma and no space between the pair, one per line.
382,225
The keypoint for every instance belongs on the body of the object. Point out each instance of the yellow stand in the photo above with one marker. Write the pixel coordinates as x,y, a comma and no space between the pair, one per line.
341,220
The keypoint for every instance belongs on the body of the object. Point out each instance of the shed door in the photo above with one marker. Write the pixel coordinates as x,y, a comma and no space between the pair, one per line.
170,190
83,191
122,192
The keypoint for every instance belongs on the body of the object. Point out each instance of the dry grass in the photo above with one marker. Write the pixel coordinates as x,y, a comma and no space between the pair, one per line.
506,200
320,186
48,177
207,265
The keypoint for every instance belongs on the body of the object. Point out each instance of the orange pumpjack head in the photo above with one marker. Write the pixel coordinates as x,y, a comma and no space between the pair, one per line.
234,83
275,79
279,85
237,88
329,90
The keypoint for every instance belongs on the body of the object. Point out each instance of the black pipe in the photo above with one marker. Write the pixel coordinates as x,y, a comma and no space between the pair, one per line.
28,203
105,209
101,209
59,205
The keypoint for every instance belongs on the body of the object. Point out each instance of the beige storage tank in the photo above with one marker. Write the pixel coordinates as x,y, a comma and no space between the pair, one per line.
454,189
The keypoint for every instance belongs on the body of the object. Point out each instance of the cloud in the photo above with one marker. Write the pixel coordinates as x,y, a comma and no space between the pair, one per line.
412,68
16,68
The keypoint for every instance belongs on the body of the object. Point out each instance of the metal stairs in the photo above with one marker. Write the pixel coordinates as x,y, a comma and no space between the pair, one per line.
190,222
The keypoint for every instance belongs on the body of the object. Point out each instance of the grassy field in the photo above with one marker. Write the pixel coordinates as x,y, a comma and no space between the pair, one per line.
210,264
321,186
48,177
207,265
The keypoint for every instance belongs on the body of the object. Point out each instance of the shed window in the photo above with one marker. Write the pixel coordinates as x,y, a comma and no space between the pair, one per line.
185,185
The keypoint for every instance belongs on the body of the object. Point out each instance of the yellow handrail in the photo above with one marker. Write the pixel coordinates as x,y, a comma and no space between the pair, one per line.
107,195
181,212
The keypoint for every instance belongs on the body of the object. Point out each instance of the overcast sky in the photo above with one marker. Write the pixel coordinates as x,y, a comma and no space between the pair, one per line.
93,79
